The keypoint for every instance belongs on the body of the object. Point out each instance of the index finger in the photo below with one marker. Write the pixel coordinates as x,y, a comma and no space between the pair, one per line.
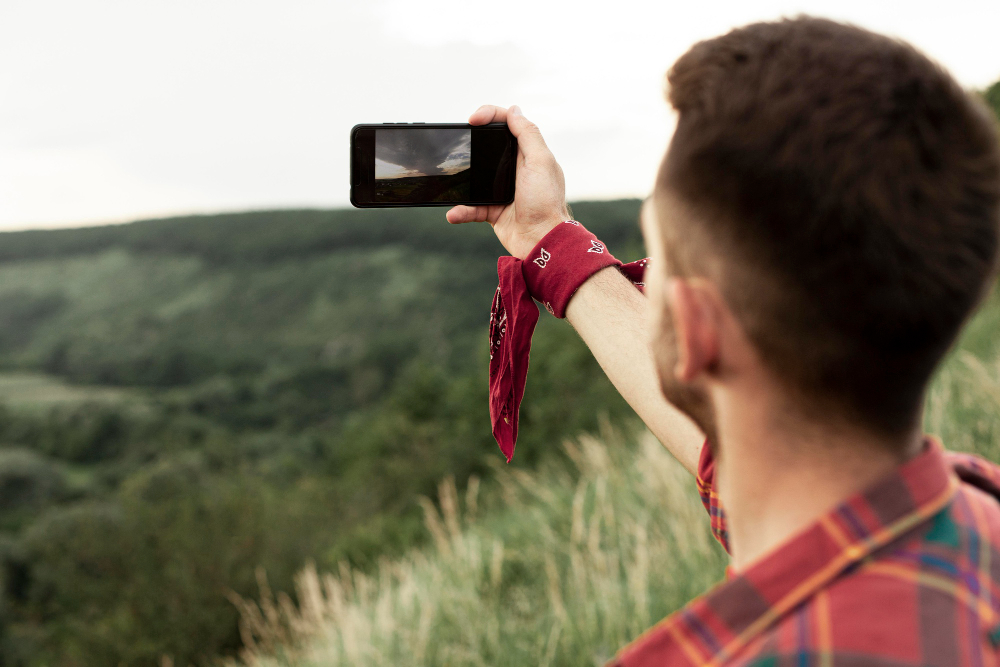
488,113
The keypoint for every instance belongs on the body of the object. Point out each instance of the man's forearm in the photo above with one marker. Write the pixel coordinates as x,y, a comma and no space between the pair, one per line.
610,315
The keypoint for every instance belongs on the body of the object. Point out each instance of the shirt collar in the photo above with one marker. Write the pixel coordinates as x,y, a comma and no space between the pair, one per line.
714,627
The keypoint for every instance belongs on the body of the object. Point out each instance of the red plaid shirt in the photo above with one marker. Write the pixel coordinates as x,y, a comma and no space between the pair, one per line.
906,573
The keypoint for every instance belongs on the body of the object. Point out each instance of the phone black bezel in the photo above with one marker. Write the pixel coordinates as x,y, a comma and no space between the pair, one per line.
363,166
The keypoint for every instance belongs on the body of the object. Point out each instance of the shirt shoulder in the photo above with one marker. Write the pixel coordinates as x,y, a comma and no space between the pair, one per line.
905,572
926,599
976,471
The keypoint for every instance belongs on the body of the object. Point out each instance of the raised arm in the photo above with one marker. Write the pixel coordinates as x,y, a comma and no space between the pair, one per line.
611,317
607,311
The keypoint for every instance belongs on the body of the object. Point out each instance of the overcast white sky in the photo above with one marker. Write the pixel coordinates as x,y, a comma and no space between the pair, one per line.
115,110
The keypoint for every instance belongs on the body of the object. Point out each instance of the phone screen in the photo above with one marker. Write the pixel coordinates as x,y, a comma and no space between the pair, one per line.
432,165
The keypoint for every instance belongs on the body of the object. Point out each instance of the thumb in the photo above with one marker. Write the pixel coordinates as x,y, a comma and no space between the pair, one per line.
529,138
460,214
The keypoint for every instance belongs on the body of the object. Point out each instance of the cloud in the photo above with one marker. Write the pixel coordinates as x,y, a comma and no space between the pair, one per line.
428,152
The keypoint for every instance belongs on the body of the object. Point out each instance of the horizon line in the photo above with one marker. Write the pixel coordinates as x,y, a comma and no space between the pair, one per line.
209,212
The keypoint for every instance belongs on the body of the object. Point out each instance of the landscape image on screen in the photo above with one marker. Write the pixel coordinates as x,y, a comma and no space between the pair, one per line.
423,165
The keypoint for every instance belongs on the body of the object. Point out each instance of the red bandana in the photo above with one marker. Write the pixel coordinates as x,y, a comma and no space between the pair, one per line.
551,273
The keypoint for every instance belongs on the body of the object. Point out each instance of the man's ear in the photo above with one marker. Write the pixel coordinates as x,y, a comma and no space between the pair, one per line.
696,323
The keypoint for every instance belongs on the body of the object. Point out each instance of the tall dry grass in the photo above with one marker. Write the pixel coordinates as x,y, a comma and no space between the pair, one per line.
963,405
582,557
574,560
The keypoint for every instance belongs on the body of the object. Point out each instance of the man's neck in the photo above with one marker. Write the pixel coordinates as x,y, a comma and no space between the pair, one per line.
776,476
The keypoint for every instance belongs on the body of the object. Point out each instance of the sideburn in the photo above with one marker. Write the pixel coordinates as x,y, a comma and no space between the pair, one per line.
689,399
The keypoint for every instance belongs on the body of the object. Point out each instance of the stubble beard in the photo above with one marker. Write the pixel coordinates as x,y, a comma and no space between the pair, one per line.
691,400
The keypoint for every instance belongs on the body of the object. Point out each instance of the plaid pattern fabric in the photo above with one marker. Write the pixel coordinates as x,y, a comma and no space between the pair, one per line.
905,573
709,498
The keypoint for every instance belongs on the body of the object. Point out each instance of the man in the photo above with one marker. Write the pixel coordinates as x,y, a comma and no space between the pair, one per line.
823,223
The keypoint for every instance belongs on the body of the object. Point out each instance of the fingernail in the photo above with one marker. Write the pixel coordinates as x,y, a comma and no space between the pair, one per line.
515,110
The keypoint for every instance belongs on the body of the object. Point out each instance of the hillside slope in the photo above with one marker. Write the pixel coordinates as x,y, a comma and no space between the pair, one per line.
184,400
170,302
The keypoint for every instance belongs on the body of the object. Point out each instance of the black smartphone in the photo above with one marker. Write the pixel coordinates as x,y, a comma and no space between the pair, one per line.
432,164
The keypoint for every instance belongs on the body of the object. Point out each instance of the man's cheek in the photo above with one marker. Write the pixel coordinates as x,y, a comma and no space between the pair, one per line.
663,344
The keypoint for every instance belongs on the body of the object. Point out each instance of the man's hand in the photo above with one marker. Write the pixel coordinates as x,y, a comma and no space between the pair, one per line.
540,191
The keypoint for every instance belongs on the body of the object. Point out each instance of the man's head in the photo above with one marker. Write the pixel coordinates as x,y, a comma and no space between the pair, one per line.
838,195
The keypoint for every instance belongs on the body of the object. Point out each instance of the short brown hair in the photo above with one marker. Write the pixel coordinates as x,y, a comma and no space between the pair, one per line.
851,190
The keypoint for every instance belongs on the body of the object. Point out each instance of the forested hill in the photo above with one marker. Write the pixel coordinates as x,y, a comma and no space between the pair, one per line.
184,400
265,236
168,302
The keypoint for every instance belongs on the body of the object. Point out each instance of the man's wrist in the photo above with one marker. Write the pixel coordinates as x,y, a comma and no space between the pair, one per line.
560,262
539,231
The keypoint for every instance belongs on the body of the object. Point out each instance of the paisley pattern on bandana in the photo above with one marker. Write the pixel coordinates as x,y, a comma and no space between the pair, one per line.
498,325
